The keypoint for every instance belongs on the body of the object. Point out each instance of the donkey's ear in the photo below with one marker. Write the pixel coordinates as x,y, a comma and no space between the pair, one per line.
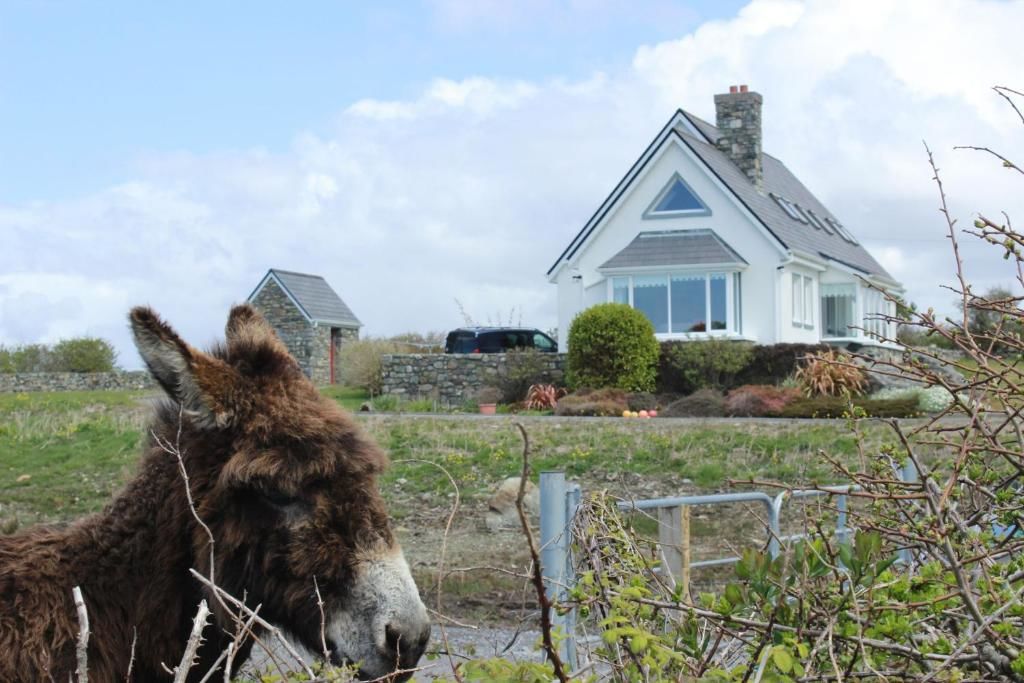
247,326
202,384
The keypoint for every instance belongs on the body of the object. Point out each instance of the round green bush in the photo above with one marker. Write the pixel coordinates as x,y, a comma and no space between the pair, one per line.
612,345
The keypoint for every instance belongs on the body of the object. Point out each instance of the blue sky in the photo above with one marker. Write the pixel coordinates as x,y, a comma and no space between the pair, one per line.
436,155
86,88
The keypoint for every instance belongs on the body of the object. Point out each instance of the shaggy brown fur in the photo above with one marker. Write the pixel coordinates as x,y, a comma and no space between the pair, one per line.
284,479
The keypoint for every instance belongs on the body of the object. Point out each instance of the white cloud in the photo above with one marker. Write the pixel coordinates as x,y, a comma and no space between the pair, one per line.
470,190
479,96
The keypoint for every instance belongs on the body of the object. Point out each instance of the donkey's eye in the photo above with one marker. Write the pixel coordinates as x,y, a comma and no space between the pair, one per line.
278,499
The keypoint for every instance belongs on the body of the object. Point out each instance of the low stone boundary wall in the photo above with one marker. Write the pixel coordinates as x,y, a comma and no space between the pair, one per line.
74,381
453,378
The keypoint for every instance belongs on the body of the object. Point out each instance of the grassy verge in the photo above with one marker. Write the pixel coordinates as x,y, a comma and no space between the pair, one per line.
63,455
349,397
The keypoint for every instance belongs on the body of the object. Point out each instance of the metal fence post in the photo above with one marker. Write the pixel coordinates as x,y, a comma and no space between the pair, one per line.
554,543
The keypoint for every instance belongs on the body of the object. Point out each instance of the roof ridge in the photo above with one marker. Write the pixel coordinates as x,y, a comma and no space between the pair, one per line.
295,272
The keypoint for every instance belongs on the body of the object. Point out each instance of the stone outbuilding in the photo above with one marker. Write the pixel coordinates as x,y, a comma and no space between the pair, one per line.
310,318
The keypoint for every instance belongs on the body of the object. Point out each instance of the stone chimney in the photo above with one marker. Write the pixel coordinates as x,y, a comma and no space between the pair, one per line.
738,117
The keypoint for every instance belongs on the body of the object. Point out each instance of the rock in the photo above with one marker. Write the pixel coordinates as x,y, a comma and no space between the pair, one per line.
501,509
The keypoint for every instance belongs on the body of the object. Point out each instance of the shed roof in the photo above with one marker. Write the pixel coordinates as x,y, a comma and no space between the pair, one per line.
674,248
313,296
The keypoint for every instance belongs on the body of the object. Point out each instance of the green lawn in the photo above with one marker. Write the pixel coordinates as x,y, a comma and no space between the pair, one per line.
63,455
349,397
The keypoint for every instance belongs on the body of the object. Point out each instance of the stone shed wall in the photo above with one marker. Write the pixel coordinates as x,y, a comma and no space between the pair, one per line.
308,343
451,379
74,381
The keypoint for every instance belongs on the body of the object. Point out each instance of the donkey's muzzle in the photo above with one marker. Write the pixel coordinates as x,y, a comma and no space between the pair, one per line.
404,644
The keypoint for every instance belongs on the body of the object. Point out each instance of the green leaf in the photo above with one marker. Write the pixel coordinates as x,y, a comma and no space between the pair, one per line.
782,659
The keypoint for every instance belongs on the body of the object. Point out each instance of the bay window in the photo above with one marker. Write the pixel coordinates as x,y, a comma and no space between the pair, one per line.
682,302
876,306
839,309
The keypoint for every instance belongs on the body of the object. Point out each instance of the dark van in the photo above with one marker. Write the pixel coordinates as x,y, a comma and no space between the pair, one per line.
497,340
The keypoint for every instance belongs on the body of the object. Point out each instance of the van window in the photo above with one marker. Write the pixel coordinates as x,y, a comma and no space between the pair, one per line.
461,343
542,342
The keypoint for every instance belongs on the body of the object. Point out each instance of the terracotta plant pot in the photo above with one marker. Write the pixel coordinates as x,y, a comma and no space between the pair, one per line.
488,408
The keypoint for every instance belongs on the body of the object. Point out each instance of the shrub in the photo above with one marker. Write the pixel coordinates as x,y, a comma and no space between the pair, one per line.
78,354
359,362
600,402
702,403
831,373
934,399
773,363
522,369
83,354
758,400
929,400
543,397
641,400
385,404
612,345
687,366
838,406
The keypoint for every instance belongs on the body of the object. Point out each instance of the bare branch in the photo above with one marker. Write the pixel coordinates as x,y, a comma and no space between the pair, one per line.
82,647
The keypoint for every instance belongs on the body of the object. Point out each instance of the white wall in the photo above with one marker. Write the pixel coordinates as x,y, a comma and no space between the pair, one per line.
621,225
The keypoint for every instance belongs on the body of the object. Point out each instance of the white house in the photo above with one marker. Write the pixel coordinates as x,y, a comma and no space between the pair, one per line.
708,236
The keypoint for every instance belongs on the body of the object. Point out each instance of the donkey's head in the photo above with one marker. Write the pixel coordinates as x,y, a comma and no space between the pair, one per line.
288,486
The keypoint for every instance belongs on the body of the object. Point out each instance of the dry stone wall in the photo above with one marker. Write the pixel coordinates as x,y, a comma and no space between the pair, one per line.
451,379
74,381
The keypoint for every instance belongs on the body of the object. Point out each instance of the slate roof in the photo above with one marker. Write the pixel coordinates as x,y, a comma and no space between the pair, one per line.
674,248
791,234
314,296
780,181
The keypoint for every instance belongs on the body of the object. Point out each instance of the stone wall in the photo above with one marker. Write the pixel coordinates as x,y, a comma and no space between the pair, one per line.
451,379
74,381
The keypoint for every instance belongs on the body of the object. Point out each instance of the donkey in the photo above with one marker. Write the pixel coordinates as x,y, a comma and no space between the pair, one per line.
285,482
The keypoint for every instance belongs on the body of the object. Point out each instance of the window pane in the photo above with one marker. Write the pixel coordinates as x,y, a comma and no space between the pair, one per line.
679,198
808,301
798,298
689,303
620,290
718,307
542,342
737,303
650,296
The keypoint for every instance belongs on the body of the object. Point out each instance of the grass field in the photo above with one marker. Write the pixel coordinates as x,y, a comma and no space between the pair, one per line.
63,455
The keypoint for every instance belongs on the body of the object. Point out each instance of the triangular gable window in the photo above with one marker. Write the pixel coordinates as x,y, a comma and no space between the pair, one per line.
676,199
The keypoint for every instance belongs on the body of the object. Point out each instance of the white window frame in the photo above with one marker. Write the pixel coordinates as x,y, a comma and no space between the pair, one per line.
732,294
803,300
